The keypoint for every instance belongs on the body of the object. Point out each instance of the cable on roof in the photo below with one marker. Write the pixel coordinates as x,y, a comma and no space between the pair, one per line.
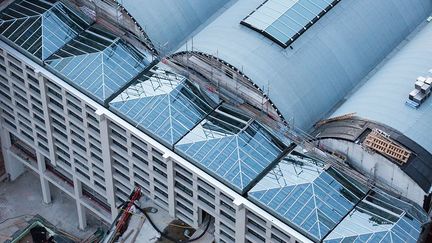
166,236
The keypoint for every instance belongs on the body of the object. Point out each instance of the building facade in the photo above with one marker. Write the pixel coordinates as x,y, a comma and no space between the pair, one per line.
94,115
45,126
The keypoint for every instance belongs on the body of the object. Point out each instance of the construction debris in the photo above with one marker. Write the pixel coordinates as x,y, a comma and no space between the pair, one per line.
336,118
37,229
134,224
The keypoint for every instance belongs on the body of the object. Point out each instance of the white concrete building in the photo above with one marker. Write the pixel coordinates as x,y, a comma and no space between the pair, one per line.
95,116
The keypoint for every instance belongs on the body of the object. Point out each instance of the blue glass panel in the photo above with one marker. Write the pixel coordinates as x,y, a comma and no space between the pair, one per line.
364,238
373,220
164,104
102,66
377,237
288,21
349,239
41,27
334,241
311,224
386,238
309,197
323,4
270,194
312,6
301,9
243,149
280,198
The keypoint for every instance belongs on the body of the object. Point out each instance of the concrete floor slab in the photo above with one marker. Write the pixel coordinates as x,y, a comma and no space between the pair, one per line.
24,197
161,219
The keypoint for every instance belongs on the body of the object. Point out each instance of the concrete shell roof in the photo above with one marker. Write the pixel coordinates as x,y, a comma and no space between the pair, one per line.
168,23
382,98
325,63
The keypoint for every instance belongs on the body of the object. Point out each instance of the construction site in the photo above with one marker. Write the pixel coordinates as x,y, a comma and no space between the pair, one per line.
274,121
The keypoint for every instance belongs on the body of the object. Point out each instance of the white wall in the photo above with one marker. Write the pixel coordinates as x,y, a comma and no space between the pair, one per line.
378,167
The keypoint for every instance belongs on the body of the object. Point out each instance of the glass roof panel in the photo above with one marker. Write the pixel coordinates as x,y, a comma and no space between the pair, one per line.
380,216
164,103
40,27
231,146
98,63
299,191
285,20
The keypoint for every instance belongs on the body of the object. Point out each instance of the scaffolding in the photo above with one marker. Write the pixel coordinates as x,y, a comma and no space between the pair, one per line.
113,16
211,67
227,81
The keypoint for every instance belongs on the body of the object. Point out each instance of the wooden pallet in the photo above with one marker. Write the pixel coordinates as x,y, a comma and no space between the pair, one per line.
377,141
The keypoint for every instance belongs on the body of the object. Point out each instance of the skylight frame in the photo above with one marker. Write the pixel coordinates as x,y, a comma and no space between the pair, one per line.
101,71
233,149
260,20
391,220
329,194
163,104
40,31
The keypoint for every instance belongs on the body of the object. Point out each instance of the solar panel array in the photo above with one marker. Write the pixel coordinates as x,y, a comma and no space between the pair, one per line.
284,21
231,146
165,104
40,27
301,193
380,217
98,62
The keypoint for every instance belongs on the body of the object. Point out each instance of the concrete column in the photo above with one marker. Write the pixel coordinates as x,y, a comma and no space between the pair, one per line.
268,232
240,223
151,176
44,100
106,156
13,168
196,209
5,144
82,217
45,185
170,184
46,190
81,210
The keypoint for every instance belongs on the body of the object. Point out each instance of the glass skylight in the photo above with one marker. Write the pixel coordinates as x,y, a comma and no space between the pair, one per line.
98,62
164,103
41,27
285,20
380,217
231,146
302,193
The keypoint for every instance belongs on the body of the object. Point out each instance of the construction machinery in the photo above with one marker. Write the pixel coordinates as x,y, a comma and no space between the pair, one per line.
121,223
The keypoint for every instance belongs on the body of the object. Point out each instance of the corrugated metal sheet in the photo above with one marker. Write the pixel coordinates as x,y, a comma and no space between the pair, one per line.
169,22
325,62
382,98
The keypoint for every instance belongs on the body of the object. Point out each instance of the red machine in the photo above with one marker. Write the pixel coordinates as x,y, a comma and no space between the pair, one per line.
122,222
